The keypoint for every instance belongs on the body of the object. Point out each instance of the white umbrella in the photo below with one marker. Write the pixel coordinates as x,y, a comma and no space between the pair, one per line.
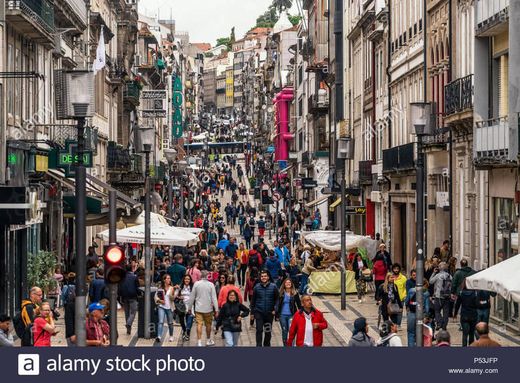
331,240
160,235
155,219
502,278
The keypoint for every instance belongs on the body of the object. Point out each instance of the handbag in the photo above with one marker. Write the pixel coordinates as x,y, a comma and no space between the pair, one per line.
234,325
393,309
180,306
366,275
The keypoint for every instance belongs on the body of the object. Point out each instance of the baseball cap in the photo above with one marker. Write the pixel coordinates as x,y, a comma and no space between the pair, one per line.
95,306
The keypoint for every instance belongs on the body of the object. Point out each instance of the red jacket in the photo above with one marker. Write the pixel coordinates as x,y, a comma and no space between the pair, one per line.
298,328
379,270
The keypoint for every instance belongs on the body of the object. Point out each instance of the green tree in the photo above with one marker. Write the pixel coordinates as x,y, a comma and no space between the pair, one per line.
282,5
40,270
267,19
295,19
224,41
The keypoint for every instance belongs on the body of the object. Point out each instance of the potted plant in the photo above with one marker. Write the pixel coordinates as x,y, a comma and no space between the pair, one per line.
40,270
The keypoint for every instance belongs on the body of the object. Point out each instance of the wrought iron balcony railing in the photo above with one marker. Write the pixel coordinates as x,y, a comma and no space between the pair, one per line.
399,158
458,95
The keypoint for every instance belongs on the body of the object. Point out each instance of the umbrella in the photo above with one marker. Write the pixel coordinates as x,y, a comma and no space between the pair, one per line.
159,235
501,278
155,220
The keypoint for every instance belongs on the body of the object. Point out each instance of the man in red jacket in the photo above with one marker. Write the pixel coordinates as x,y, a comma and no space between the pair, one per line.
307,326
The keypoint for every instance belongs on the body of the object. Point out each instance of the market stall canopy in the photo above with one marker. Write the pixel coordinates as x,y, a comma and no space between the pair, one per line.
160,235
331,240
502,278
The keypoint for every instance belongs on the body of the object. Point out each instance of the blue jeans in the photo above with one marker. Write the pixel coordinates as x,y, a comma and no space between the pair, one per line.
285,324
164,314
304,283
231,338
410,328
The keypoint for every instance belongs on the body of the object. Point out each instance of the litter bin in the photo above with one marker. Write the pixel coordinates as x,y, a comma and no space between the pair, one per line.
153,314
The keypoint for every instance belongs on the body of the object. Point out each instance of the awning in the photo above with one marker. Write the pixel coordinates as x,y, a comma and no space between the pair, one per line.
335,204
120,196
317,201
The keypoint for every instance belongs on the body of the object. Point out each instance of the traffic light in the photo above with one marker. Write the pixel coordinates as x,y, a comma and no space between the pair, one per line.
266,198
114,258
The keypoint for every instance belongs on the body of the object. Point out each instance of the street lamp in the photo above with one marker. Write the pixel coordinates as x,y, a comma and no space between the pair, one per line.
171,156
420,114
182,165
147,140
74,99
345,152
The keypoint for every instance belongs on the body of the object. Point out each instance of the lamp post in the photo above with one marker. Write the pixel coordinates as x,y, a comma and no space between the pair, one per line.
181,165
171,156
420,114
345,152
75,92
147,138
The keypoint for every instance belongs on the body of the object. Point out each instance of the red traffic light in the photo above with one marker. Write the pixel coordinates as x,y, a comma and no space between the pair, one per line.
115,254
114,258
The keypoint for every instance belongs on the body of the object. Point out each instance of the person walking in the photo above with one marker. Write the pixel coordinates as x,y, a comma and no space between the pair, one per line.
468,305
224,291
307,269
379,270
442,284
248,234
44,327
288,304
243,258
203,300
358,267
128,290
307,326
230,318
97,330
163,298
274,268
400,283
265,296
181,298
388,298
97,289
410,302
27,315
360,337
177,270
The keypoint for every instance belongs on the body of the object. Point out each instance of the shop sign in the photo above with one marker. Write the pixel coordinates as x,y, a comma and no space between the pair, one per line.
177,99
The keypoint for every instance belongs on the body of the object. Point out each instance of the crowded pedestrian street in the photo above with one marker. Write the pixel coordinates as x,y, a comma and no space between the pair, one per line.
301,173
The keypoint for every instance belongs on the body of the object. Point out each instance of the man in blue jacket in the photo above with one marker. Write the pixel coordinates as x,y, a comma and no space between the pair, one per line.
265,296
282,252
128,290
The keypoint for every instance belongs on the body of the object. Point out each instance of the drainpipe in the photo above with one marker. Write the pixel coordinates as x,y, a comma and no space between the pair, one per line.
389,117
450,76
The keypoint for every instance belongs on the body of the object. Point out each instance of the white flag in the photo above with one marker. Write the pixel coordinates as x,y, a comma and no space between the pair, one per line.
100,61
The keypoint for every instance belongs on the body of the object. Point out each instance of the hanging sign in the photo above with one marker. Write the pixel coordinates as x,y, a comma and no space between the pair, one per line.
177,107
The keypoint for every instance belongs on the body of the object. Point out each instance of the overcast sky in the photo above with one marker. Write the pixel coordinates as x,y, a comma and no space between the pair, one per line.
207,20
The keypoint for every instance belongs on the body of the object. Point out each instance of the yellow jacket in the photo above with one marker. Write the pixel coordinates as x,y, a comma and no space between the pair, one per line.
400,283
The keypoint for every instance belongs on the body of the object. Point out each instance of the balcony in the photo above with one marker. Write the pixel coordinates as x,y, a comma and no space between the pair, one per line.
399,158
71,14
491,17
458,96
60,134
492,144
32,18
439,138
131,93
365,172
118,159
318,104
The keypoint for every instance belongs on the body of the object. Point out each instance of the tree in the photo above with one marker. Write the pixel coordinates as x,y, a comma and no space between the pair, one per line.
224,41
40,270
295,19
282,5
267,19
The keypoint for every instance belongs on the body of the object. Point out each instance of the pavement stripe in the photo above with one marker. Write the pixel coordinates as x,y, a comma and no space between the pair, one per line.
504,335
339,316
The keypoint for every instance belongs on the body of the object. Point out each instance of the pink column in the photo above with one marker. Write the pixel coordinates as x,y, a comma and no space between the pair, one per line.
283,136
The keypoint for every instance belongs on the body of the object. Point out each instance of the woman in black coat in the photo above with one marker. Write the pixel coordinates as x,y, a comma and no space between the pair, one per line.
230,319
387,294
358,266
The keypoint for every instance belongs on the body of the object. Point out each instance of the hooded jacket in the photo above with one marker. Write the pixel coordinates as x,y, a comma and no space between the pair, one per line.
458,277
391,340
361,340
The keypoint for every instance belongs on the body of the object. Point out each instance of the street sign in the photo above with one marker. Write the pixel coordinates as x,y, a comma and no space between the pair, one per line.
153,94
68,158
277,196
309,183
356,210
153,113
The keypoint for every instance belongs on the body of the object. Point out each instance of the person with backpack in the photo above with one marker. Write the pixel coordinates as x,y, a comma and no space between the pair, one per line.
442,284
468,304
43,328
248,234
389,337
243,258
252,224
23,321
261,227
68,298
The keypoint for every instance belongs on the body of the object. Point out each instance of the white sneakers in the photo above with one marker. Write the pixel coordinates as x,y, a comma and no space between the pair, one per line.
171,339
199,343
210,342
